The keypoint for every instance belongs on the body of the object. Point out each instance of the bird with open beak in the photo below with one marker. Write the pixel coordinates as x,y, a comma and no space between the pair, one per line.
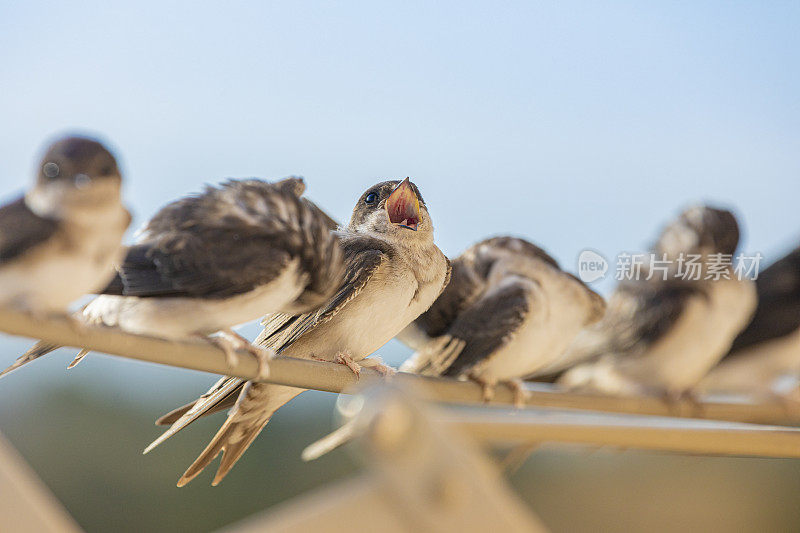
394,271
211,261
61,239
508,311
662,335
764,360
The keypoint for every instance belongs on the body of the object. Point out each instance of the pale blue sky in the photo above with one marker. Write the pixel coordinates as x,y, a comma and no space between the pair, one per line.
574,124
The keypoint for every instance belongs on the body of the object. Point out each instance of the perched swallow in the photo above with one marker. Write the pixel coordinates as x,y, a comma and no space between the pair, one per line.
61,239
765,357
661,336
208,262
394,271
509,310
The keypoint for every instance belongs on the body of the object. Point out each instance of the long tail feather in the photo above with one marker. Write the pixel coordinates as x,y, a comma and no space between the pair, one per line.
329,442
170,418
78,359
36,351
435,357
253,410
232,440
174,415
216,395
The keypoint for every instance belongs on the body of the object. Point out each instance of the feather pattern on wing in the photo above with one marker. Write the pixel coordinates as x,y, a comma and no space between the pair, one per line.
640,314
479,330
470,276
193,247
21,230
362,257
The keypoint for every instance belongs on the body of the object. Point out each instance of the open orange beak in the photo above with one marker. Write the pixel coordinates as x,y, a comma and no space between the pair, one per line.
402,206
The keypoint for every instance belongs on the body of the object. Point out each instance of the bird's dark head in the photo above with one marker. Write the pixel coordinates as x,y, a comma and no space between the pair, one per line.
76,172
76,176
701,230
77,162
393,208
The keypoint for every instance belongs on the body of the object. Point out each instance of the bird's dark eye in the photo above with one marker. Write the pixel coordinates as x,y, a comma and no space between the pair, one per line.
371,198
50,170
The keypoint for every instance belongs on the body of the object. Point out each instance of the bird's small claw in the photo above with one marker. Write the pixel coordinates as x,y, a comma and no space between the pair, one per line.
486,386
228,347
344,359
521,394
378,366
675,400
263,356
233,342
78,358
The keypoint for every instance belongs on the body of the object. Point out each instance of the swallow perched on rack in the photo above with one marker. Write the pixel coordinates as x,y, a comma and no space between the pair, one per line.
394,271
662,335
765,357
61,239
208,262
508,311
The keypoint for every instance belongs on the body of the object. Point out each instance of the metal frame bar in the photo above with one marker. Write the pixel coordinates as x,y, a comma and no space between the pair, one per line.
330,377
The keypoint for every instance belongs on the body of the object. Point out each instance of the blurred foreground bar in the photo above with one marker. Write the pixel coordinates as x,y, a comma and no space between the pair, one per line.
705,437
422,475
427,469
26,504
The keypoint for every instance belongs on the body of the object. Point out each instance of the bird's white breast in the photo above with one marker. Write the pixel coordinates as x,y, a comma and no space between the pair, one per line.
175,318
699,339
77,260
391,300
559,310
757,368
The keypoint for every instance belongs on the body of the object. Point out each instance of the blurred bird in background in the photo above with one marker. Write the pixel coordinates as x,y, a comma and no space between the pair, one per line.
394,271
765,358
210,261
664,331
508,311
61,239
